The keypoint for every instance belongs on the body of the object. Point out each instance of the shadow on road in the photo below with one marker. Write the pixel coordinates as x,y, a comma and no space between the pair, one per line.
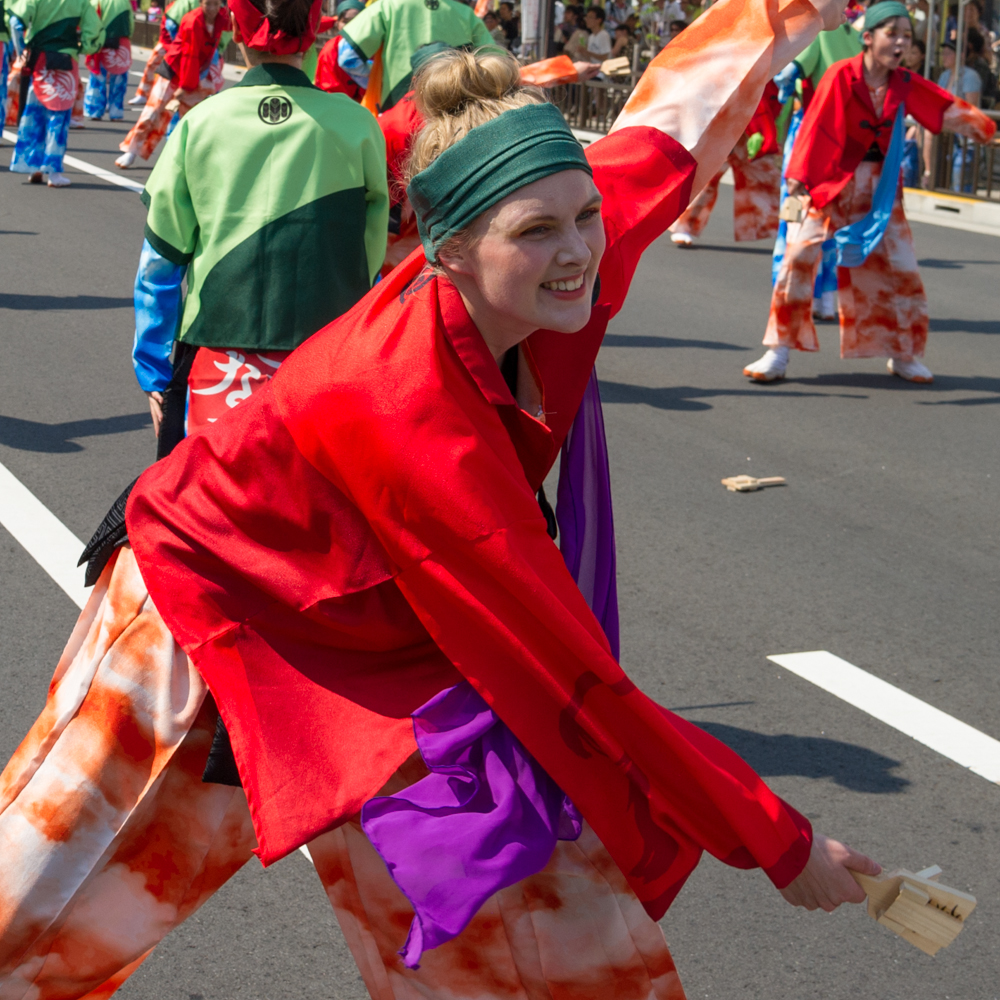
728,249
686,397
850,766
630,340
31,435
42,303
965,325
871,380
951,265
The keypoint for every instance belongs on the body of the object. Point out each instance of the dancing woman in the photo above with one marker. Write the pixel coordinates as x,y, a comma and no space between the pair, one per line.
182,79
110,65
341,606
846,136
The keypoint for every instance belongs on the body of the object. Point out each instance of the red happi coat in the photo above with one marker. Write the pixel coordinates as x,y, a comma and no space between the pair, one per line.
189,54
364,532
331,76
840,124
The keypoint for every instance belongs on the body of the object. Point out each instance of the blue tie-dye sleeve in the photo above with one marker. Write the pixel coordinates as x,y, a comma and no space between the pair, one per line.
157,317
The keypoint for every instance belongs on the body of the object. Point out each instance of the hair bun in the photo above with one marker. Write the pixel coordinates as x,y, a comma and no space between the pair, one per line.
450,81
457,91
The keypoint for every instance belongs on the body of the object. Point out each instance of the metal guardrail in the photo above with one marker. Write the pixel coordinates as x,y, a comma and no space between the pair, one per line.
962,167
593,105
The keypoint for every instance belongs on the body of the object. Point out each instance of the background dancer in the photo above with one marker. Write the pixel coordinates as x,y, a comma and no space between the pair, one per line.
109,66
184,79
836,166
390,31
360,543
293,215
56,31
172,17
756,165
798,83
329,74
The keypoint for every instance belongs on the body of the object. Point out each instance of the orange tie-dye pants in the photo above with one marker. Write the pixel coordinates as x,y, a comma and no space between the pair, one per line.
109,839
755,198
149,70
883,307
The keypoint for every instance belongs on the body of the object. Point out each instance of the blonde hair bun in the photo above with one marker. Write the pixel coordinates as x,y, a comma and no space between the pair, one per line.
458,91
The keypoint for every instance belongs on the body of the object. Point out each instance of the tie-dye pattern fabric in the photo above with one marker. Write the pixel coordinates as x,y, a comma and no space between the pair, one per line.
572,930
41,139
883,308
149,70
154,121
755,198
109,839
826,279
13,91
108,82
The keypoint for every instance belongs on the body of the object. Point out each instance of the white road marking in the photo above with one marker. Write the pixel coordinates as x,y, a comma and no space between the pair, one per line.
47,540
928,725
89,168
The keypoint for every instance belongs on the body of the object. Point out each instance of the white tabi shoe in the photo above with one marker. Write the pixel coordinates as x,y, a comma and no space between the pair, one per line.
825,308
910,369
769,368
125,161
136,101
58,180
77,123
685,240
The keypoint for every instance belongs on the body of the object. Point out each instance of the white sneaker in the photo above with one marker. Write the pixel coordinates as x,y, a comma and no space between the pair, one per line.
136,101
58,180
125,161
910,369
682,239
769,368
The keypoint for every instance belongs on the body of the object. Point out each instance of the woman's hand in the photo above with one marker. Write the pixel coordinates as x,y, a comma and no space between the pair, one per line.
156,410
826,880
586,70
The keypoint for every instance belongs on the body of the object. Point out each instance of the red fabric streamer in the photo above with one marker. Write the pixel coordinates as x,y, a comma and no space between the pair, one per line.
256,31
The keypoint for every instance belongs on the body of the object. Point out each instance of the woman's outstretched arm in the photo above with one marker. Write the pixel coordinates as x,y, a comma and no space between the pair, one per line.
688,111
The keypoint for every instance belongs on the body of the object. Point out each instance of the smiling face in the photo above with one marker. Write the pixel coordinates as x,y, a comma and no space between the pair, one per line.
530,262
889,42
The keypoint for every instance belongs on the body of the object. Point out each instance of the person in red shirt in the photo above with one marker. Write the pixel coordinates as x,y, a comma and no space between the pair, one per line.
329,75
756,166
835,169
337,617
179,85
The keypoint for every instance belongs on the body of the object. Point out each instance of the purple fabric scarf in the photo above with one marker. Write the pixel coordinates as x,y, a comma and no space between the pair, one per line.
486,817
583,510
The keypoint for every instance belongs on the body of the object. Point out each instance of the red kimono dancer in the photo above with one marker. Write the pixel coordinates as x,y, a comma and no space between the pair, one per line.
179,85
757,179
324,557
331,77
837,156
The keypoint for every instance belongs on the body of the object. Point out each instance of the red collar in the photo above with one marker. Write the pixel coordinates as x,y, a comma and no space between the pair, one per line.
897,85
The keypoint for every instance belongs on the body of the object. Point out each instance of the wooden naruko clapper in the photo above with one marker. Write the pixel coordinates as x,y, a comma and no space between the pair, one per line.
916,907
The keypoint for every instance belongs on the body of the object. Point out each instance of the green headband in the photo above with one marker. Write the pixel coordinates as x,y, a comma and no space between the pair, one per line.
345,5
879,13
428,52
492,161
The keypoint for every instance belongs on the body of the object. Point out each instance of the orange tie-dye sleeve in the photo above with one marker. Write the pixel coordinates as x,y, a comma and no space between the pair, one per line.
704,87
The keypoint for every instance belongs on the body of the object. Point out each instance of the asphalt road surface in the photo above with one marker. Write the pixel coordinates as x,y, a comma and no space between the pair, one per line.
883,548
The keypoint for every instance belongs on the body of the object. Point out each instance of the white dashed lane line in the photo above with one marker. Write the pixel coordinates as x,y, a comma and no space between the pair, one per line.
924,723
89,168
43,536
